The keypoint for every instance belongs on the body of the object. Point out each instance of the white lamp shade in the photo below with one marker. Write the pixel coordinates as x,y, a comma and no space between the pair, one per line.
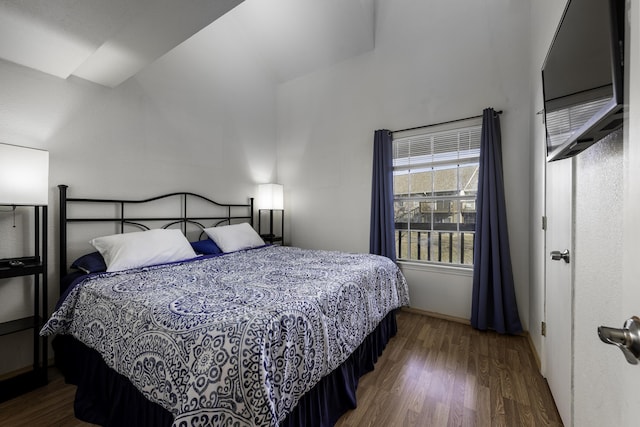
270,196
24,176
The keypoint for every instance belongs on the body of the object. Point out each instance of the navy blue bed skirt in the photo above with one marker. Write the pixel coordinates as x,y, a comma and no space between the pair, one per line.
107,398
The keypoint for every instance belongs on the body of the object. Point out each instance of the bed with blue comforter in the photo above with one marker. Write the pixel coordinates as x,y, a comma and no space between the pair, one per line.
238,339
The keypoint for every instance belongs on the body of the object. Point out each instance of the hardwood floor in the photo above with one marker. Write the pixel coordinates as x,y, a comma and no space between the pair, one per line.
51,405
437,372
434,372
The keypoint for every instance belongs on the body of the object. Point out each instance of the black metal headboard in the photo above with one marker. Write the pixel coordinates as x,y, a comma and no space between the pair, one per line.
123,218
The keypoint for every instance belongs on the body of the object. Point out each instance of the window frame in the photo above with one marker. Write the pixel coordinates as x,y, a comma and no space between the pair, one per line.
432,160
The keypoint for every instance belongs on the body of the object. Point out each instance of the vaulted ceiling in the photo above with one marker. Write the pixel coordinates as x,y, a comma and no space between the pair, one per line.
108,41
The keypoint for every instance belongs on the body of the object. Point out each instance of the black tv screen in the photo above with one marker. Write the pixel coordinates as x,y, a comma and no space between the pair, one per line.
582,77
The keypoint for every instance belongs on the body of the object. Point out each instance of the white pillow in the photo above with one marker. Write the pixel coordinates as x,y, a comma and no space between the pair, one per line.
143,248
234,237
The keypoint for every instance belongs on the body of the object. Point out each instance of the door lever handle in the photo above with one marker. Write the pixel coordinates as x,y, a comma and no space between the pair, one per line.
557,255
626,339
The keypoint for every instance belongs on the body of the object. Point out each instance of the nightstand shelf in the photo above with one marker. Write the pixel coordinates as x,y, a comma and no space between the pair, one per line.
31,266
18,325
270,236
36,267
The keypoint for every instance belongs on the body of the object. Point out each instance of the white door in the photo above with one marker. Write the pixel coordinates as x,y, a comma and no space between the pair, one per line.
558,349
628,397
616,394
605,385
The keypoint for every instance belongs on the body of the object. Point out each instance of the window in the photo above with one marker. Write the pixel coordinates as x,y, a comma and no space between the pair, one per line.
435,182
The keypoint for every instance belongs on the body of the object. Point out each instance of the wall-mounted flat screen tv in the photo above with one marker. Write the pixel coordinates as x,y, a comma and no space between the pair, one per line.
583,76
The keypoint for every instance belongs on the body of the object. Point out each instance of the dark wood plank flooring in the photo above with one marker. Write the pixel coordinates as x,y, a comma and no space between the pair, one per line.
435,372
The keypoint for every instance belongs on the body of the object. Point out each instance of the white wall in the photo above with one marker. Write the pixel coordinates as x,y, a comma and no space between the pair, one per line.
433,61
201,118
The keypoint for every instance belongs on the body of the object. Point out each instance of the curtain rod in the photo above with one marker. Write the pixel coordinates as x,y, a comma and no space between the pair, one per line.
441,123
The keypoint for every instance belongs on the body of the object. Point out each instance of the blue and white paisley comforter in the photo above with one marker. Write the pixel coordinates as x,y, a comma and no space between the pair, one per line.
235,339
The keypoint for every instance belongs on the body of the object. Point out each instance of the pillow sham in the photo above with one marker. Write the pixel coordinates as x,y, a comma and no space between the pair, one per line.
206,247
235,237
90,263
143,248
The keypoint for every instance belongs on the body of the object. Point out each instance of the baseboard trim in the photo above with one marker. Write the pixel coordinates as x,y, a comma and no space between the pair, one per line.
15,373
22,371
536,356
437,315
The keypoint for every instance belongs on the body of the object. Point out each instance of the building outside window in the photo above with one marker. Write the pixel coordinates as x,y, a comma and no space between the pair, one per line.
435,183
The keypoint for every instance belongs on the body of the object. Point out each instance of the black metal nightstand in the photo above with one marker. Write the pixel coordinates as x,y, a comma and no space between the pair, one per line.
272,235
35,266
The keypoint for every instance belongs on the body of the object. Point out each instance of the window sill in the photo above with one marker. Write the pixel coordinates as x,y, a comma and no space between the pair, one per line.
437,268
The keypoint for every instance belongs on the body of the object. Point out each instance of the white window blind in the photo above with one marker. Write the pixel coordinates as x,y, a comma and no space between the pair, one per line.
435,148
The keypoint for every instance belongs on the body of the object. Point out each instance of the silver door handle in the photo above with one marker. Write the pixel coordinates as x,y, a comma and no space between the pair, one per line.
557,255
626,339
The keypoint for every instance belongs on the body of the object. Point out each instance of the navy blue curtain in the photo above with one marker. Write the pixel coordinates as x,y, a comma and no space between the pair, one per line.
494,300
382,233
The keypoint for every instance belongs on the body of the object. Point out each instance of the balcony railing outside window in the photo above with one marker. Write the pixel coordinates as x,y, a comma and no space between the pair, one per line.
435,185
444,247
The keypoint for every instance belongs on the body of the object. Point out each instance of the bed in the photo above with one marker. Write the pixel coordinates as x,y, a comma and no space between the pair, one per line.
250,334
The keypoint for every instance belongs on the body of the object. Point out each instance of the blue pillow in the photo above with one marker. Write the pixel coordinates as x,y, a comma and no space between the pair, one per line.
90,263
206,247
